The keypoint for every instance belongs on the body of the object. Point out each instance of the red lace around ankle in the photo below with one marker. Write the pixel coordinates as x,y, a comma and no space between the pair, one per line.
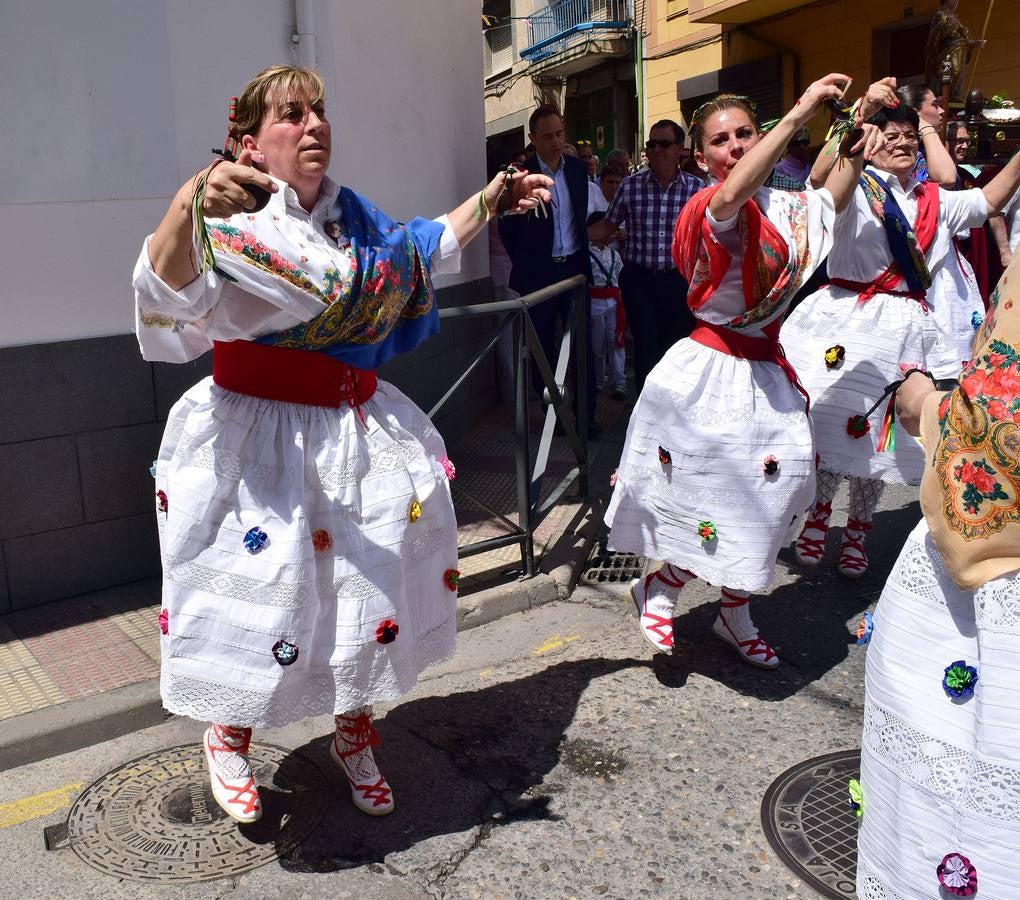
815,547
359,734
223,732
854,541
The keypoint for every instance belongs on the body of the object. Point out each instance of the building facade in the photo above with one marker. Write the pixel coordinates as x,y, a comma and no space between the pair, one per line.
772,49
576,54
130,100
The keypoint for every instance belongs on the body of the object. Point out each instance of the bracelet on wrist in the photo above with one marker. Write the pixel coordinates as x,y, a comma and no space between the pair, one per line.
941,384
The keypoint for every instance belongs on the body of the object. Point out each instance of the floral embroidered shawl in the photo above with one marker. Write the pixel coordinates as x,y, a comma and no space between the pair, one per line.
970,492
771,274
382,303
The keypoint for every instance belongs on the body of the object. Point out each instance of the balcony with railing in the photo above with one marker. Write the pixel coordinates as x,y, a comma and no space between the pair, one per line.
597,28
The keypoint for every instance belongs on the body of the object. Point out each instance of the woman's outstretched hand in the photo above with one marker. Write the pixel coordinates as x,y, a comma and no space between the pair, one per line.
872,140
225,194
881,93
518,192
831,87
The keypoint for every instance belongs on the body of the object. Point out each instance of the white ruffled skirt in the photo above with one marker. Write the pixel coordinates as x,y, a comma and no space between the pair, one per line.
348,575
880,336
718,417
940,776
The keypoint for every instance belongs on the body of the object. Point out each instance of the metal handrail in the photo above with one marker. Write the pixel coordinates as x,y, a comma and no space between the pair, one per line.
514,314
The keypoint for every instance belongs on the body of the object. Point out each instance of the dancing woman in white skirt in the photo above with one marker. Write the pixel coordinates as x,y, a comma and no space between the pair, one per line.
940,754
872,322
307,533
719,456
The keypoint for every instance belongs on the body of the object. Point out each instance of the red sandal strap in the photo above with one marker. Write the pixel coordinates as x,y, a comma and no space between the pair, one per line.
217,741
659,622
756,647
247,794
731,601
378,793
668,579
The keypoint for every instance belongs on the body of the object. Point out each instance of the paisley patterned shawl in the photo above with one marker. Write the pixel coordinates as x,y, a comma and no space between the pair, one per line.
771,274
970,492
384,304
908,243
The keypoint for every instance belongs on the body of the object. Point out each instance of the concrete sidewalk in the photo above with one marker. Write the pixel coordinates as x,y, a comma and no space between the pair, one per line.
86,669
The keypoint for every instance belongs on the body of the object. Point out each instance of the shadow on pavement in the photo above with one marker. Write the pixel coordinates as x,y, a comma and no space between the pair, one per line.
804,621
457,762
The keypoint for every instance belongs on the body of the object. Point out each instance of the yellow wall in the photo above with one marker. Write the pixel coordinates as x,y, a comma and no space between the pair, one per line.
828,37
670,30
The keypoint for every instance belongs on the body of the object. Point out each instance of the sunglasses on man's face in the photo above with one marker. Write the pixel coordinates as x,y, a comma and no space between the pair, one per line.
661,144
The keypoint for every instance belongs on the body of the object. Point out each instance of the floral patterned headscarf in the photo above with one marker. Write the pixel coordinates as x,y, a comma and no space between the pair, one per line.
970,492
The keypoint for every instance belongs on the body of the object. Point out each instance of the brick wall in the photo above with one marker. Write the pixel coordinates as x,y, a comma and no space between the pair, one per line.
81,422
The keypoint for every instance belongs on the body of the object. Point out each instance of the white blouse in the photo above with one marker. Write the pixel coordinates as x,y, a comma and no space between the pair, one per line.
178,326
860,251
728,300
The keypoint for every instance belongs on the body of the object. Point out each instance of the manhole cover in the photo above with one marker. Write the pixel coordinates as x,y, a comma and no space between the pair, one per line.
807,818
154,819
614,568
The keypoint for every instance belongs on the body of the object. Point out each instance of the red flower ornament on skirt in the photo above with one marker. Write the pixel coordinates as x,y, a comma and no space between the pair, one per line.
387,632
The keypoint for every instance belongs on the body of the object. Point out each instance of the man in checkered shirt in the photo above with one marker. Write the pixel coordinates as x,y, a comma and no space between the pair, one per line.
645,209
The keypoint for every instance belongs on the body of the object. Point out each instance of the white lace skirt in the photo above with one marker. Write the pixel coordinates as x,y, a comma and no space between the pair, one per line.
879,336
718,418
956,301
346,602
940,776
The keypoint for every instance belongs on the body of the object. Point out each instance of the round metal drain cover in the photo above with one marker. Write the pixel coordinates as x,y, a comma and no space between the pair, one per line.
807,818
155,819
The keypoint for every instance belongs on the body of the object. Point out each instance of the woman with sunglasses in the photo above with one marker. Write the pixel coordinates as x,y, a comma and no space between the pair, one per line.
306,529
872,322
719,456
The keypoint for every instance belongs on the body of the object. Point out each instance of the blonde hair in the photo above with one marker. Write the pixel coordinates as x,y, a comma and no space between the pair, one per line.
718,104
275,81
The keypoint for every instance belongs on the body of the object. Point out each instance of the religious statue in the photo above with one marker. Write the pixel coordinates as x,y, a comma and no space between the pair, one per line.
948,50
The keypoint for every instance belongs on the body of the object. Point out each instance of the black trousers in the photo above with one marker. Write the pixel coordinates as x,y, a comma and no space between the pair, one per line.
545,317
657,314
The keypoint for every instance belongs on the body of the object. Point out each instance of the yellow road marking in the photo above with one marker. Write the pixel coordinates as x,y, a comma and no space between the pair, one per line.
485,673
554,643
38,805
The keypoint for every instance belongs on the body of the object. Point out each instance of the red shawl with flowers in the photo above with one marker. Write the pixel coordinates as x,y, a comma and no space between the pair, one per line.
771,275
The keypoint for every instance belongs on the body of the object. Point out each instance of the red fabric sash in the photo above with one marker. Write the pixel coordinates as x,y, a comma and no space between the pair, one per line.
613,293
704,262
766,349
290,376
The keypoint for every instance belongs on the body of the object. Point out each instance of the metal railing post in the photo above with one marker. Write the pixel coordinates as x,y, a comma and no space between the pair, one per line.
581,344
522,449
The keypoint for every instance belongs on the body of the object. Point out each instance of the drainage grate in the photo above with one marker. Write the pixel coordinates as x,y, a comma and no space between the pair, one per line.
808,821
614,568
155,820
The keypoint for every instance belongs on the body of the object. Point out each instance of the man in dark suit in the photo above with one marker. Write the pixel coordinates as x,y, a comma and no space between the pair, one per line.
546,250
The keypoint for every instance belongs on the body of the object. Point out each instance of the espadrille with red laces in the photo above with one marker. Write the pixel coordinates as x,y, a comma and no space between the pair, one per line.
810,546
734,626
655,598
233,786
853,561
351,749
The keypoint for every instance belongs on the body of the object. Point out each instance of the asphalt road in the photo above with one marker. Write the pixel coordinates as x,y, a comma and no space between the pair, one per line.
554,757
